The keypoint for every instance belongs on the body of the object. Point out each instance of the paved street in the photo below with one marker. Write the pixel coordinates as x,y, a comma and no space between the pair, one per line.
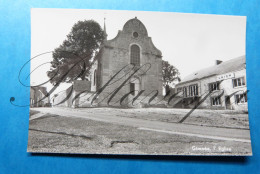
112,115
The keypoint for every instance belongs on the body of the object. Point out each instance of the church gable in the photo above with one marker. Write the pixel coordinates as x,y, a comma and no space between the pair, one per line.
135,26
134,32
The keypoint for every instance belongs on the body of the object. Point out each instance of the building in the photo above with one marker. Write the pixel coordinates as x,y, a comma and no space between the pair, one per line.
222,86
37,97
132,48
132,45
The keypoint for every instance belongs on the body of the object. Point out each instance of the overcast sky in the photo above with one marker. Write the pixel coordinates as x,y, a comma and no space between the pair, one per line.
188,41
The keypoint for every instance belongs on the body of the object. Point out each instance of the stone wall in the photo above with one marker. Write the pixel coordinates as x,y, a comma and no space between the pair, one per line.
77,95
64,98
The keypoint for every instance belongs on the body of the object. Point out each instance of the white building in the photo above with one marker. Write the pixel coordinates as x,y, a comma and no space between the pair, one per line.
222,86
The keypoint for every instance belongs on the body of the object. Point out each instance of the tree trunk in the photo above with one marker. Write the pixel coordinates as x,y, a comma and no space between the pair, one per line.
167,88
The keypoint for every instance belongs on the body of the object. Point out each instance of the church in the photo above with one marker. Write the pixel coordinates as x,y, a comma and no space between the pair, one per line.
131,46
124,66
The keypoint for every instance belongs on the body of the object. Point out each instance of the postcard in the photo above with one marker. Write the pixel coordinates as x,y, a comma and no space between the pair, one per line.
138,83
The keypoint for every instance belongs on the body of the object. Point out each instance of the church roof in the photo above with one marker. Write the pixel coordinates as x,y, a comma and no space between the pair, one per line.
222,68
137,24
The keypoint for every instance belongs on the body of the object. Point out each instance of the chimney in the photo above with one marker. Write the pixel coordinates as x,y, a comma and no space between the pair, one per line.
218,62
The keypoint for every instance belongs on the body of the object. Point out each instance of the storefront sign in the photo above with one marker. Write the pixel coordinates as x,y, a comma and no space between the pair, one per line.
225,76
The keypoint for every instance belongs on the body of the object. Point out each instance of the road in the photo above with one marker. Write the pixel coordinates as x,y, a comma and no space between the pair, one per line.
111,116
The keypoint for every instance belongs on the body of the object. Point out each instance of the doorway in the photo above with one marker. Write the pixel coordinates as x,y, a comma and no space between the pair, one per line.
134,86
228,103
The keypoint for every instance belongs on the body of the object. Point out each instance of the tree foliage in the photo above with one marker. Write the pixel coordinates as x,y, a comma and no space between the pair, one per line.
170,74
80,46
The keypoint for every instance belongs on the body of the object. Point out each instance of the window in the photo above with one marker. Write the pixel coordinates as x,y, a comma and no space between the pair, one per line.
95,73
241,98
135,34
216,101
132,88
239,82
214,86
184,92
135,55
193,90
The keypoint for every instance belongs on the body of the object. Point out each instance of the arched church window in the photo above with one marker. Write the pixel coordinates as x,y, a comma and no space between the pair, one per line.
95,78
135,55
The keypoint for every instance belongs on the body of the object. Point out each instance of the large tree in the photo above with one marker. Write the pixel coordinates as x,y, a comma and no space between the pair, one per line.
170,74
73,57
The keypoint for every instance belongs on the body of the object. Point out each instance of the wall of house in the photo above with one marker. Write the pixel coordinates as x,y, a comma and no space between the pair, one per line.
36,97
229,89
32,99
64,98
226,86
77,95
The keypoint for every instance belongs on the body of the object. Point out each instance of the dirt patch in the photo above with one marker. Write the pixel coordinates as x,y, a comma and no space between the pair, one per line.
211,118
78,135
33,112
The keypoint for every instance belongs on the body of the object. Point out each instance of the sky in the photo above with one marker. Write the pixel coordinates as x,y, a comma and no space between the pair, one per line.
188,41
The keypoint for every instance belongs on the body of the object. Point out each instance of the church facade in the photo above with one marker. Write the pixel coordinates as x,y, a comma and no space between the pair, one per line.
126,65
127,68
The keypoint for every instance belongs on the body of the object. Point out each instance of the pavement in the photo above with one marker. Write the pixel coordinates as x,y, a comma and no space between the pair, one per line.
110,116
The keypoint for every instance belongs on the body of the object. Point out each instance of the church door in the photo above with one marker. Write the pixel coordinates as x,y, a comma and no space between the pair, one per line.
135,86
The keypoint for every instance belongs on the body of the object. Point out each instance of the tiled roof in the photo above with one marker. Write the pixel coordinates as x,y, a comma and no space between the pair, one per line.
225,67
